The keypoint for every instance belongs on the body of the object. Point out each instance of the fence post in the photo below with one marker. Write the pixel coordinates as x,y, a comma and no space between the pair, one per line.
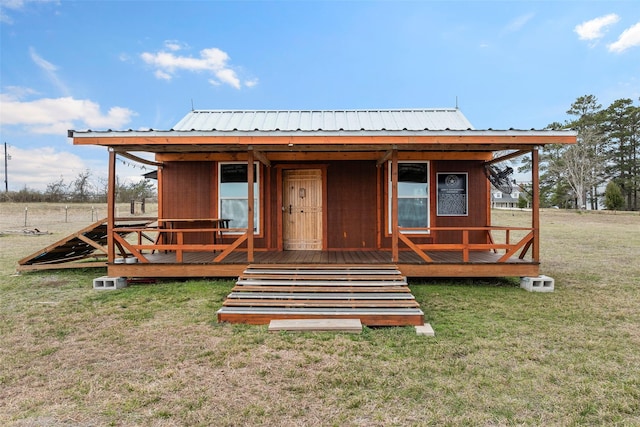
26,209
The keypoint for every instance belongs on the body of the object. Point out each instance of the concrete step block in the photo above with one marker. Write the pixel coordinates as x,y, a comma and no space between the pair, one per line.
320,324
425,330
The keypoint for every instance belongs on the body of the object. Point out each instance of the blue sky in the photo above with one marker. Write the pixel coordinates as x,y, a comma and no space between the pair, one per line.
144,64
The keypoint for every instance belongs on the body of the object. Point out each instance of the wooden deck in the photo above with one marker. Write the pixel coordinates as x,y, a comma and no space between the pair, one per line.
445,264
377,295
327,257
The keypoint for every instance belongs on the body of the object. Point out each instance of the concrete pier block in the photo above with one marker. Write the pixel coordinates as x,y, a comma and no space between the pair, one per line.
109,283
537,284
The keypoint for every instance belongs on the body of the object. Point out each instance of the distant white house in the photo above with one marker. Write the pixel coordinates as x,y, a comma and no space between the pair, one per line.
500,200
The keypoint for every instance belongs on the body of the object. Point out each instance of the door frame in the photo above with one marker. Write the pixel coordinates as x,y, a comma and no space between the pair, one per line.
279,199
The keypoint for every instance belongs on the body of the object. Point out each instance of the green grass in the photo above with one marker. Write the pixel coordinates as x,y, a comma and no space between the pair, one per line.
154,354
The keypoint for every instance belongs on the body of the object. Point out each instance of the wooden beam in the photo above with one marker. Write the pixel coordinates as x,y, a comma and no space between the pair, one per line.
251,206
111,206
508,157
384,158
535,204
138,159
304,156
415,248
261,157
453,138
394,206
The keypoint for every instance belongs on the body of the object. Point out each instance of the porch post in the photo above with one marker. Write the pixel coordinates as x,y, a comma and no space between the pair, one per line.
111,198
251,206
535,203
394,206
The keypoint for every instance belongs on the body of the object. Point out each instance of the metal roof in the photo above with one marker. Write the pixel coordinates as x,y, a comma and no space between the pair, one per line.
323,121
343,130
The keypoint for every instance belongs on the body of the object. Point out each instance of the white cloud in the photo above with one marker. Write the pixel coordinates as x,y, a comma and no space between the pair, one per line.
518,23
175,45
628,39
49,69
38,167
211,60
595,28
17,6
57,115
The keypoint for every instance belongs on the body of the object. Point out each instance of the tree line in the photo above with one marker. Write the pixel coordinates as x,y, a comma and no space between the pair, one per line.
603,167
83,189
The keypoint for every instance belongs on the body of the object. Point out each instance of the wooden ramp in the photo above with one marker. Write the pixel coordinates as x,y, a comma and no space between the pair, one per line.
74,250
378,295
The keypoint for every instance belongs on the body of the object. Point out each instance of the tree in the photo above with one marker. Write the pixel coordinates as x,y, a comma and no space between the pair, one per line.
575,169
621,122
81,187
583,167
136,191
586,160
613,199
56,191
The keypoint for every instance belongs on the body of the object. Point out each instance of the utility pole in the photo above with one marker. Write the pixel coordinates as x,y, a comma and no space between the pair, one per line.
6,175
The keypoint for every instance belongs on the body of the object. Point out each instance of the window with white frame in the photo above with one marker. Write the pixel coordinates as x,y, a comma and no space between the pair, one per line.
233,195
413,196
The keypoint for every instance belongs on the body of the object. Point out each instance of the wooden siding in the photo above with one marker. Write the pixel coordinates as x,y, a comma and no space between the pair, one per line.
189,191
352,205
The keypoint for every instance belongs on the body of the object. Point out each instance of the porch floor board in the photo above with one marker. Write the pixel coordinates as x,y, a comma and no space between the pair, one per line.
329,257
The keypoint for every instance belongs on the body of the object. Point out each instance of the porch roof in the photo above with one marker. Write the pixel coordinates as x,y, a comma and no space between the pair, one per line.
334,130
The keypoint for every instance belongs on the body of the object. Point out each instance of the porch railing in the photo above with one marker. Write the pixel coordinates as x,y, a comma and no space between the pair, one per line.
500,245
134,241
139,242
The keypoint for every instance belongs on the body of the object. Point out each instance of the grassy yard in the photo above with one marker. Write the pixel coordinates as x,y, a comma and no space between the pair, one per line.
154,355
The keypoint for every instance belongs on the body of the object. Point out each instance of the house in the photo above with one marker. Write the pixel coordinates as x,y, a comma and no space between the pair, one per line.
348,188
504,200
407,187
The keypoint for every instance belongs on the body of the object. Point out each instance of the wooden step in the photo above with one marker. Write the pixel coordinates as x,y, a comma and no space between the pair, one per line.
377,295
319,267
370,317
277,302
325,272
320,289
333,283
324,276
318,295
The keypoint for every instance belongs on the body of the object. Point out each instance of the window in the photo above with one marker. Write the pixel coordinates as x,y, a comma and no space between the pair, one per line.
413,195
232,198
